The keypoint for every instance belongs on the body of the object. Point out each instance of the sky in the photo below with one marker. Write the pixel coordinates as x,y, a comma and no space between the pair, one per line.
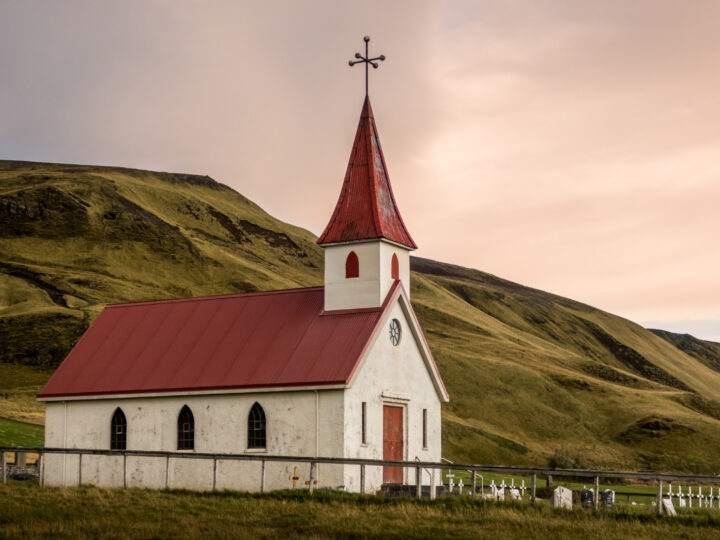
572,146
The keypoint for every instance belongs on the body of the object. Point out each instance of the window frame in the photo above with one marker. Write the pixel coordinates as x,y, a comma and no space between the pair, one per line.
186,429
256,428
118,437
363,422
424,429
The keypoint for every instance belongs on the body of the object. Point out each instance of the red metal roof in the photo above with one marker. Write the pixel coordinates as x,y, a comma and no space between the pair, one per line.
366,208
269,339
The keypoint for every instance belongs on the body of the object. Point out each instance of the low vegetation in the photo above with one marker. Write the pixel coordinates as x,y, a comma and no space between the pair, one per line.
28,511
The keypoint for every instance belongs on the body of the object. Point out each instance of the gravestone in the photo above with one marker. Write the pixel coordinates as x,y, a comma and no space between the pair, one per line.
451,481
668,508
607,498
682,502
561,498
515,494
587,497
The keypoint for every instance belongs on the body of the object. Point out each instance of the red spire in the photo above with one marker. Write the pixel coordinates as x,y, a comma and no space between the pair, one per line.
366,209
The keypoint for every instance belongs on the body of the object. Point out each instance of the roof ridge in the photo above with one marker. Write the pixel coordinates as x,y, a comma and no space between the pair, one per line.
215,297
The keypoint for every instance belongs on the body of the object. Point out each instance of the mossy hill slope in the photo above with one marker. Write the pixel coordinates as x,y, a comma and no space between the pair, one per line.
533,377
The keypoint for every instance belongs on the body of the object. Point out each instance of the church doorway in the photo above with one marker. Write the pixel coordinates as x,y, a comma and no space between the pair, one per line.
393,442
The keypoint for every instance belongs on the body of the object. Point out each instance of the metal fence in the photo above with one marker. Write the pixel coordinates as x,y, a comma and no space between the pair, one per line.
415,466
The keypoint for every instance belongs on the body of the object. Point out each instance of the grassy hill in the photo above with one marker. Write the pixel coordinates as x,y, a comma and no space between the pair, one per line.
533,377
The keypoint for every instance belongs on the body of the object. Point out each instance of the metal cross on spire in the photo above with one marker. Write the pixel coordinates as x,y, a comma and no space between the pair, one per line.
367,61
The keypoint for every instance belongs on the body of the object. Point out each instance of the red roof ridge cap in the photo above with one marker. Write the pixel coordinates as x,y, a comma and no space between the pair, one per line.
216,297
350,311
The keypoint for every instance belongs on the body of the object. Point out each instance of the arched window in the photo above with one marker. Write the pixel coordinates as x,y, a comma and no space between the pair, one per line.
256,427
118,430
186,429
352,265
395,267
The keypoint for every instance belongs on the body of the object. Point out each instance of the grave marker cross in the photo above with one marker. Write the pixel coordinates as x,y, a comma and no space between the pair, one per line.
295,477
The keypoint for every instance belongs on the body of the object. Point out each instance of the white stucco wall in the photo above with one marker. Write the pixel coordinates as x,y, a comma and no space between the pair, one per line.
391,375
370,288
220,427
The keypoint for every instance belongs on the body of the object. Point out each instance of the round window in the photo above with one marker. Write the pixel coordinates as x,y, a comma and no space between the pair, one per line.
395,331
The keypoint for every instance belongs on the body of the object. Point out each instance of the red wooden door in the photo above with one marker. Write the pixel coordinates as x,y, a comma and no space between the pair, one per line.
392,443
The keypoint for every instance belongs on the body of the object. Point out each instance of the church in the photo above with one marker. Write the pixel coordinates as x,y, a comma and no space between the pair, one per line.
341,370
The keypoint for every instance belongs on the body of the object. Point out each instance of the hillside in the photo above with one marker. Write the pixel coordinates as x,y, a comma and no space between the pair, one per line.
533,377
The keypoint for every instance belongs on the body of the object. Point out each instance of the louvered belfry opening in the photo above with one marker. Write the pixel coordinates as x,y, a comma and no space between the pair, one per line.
257,427
118,431
186,429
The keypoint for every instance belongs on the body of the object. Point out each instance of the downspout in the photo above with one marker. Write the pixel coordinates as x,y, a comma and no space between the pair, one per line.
64,442
317,434
317,423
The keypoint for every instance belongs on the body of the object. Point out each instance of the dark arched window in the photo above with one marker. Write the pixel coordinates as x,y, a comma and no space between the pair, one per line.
186,429
395,267
352,265
118,430
256,427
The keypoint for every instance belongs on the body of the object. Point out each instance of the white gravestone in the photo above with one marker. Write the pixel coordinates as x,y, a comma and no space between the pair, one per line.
515,494
668,508
561,498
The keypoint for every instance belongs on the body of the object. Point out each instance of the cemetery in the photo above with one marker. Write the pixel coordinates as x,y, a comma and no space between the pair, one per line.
656,493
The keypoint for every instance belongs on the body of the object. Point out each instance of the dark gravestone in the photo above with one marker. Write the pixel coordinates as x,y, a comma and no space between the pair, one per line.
607,498
587,498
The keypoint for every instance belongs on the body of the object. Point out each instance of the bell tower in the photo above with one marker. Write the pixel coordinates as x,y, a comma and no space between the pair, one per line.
367,247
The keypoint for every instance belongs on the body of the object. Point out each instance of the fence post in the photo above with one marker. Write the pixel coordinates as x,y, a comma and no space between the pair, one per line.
4,467
474,484
80,469
40,463
312,477
262,476
433,487
362,479
124,470
418,482
167,470
659,497
548,482
534,486
596,498
214,472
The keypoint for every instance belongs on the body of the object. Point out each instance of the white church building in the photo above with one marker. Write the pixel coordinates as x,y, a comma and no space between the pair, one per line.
341,370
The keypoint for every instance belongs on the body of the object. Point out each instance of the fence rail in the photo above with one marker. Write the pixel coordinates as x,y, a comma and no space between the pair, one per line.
416,465
503,469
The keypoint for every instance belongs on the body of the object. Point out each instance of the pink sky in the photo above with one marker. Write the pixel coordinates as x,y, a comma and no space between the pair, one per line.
570,146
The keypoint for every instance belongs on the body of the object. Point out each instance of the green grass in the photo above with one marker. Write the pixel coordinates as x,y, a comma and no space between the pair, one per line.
29,511
14,433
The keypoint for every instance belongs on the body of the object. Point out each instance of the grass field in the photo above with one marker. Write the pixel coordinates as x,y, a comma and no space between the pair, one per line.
14,433
29,511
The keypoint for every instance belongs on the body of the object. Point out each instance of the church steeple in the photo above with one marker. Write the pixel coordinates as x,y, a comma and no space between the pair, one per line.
366,208
367,247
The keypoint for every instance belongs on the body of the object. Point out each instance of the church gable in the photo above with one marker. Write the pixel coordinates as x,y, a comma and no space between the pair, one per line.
397,352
